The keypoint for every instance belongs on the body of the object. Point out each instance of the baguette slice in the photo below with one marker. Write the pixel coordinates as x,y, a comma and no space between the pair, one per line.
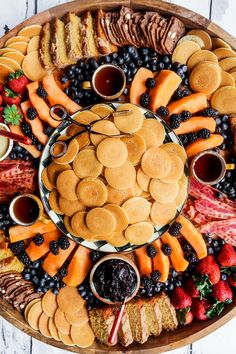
73,36
45,46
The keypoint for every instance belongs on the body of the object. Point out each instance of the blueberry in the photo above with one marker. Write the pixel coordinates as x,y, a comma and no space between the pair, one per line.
224,276
42,282
35,279
51,283
64,79
114,55
166,59
27,276
186,81
139,62
12,156
225,126
126,91
120,61
33,272
146,58
225,118
39,290
160,66
210,251
184,68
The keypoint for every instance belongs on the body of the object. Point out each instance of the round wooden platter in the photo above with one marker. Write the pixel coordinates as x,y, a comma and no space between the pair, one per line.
183,335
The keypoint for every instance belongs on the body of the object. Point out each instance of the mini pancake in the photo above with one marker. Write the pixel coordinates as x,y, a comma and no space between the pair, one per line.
78,318
139,233
78,225
82,139
11,63
149,137
69,300
86,117
137,209
53,171
7,50
176,149
92,192
176,171
66,339
190,38
201,56
5,71
20,46
104,126
16,39
145,195
33,44
116,196
70,154
226,79
121,177
118,239
49,303
52,329
143,180
129,123
136,147
228,64
224,100
67,182
223,53
60,321
157,128
100,221
32,66
34,314
54,201
184,50
205,77
219,43
156,162
67,224
204,36
112,152
182,194
43,325
102,109
47,184
161,214
137,190
29,305
16,56
163,192
86,164
70,207
83,336
120,215
30,31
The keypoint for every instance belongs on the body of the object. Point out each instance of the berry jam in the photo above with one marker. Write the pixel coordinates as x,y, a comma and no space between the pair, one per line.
115,280
208,167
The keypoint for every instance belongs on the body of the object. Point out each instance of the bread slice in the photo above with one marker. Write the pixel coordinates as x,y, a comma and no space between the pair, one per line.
72,35
169,319
45,46
101,320
102,42
58,48
5,251
11,264
125,332
89,47
154,316
138,320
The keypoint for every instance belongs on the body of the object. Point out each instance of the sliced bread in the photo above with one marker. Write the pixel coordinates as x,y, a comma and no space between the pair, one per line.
169,319
89,47
11,264
73,36
101,320
138,320
154,316
102,42
125,332
45,46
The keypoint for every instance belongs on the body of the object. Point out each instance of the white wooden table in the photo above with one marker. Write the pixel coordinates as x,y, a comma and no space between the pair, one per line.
222,341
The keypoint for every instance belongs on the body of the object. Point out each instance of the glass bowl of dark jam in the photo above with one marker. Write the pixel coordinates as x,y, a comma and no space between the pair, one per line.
114,279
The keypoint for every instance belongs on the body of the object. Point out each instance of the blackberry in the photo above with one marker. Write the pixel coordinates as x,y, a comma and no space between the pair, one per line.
38,239
24,258
163,111
175,120
33,138
151,251
185,115
204,133
150,83
95,256
63,272
31,113
191,257
210,112
186,92
41,92
48,130
25,128
184,139
166,249
17,247
63,242
146,281
54,247
175,229
155,276
192,137
178,94
144,99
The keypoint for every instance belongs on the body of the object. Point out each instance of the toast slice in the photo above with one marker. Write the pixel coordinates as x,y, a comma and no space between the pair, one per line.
58,48
138,320
89,47
102,42
45,46
73,36
101,320
154,316
169,319
125,332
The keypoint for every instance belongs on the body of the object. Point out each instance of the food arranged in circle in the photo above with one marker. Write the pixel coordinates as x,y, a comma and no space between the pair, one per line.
152,175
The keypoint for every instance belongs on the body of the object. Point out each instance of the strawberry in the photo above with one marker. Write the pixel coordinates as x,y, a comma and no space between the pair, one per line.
181,299
232,280
1,117
208,267
199,309
9,97
17,82
0,100
1,87
191,288
184,316
227,256
12,114
222,292
189,318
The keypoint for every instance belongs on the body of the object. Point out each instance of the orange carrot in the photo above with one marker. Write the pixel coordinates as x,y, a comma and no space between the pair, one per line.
192,103
194,124
204,144
144,261
161,262
30,148
177,254
18,233
36,252
79,267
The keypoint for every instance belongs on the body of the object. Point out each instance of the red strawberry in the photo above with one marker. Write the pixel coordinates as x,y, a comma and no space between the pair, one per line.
10,98
1,117
0,100
17,82
189,318
184,316
208,267
1,87
180,299
191,288
232,280
227,256
199,309
222,292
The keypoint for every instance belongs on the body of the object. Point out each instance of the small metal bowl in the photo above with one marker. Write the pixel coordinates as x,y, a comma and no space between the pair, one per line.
10,142
107,258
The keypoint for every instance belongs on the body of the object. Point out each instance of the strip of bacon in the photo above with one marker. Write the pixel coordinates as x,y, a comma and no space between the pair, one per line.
217,211
225,229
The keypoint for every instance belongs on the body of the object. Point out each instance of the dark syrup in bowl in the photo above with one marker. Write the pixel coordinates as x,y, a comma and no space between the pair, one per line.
109,81
208,167
26,210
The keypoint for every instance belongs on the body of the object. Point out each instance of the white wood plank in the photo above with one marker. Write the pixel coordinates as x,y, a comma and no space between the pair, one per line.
46,4
200,6
223,13
12,340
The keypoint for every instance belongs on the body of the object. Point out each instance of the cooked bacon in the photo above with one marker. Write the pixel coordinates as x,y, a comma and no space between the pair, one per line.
214,210
16,176
200,219
225,229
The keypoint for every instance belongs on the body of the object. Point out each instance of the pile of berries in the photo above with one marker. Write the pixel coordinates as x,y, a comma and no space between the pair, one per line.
228,184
